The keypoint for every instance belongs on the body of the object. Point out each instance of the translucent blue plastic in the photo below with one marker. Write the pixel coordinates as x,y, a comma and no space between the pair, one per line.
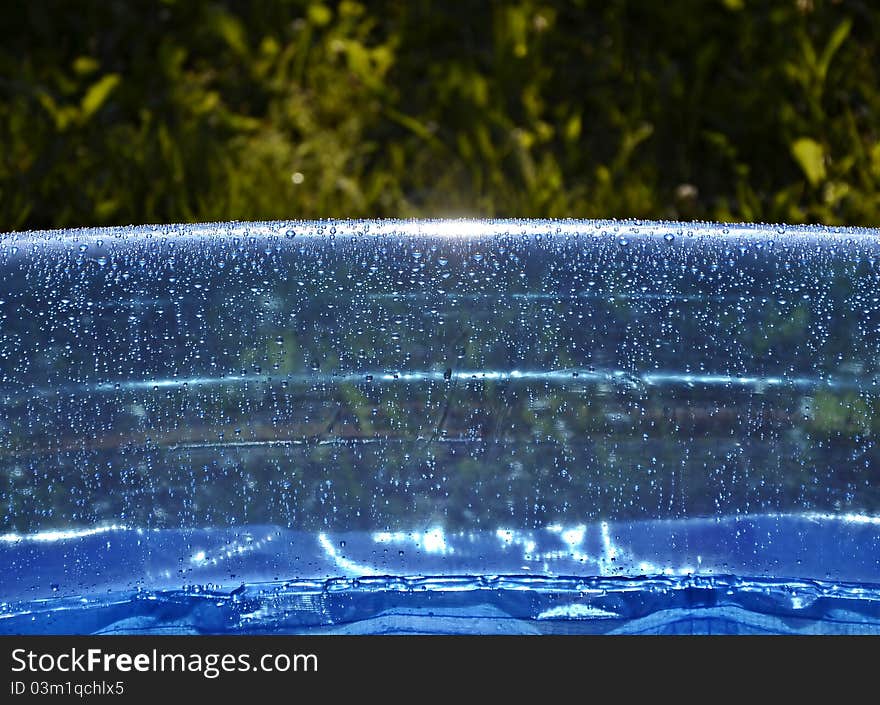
440,426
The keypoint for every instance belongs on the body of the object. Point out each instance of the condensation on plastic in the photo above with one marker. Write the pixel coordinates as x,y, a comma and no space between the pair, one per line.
214,406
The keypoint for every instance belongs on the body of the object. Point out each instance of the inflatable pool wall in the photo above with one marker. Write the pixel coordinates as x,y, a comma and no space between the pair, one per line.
440,426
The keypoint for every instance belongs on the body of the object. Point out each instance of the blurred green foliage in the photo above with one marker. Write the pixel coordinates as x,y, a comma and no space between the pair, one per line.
130,111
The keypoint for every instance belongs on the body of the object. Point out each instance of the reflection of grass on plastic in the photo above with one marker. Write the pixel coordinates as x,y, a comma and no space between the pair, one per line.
845,414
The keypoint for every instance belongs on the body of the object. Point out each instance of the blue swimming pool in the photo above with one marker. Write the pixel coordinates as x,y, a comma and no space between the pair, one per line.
440,427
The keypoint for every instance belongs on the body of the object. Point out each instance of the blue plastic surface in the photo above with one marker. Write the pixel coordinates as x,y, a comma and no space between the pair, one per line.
440,426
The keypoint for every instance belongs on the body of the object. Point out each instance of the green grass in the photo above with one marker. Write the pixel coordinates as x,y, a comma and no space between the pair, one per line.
129,112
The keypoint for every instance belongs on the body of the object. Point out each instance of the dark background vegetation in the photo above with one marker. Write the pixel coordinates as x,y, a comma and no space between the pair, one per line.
128,111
